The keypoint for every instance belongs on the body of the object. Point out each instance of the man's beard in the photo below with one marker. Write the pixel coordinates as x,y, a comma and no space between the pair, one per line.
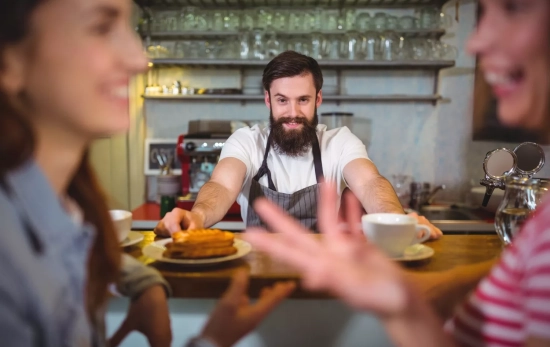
293,142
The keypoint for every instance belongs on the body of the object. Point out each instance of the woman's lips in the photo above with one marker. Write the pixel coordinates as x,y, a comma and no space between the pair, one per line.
504,85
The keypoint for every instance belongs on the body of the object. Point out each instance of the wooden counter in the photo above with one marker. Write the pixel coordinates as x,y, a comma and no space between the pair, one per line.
210,282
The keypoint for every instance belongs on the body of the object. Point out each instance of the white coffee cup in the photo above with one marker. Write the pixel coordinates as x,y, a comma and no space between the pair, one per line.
392,232
123,223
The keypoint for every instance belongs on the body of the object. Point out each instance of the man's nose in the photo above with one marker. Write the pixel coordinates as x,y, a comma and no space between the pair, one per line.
295,109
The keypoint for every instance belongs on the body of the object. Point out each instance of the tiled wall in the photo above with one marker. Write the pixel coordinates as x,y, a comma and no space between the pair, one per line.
431,143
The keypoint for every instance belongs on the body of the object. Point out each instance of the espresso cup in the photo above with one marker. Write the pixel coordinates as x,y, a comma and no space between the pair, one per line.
123,223
392,232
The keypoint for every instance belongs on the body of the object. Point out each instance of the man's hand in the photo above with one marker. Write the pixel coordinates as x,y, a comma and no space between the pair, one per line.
435,232
149,315
234,316
177,220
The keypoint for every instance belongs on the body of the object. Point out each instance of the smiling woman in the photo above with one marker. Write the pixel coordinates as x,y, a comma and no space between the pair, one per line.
508,81
64,69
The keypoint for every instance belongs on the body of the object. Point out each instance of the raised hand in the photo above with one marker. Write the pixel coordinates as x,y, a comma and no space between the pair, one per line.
343,262
234,316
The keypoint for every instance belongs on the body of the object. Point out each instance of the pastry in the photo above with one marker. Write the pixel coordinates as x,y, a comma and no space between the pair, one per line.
198,244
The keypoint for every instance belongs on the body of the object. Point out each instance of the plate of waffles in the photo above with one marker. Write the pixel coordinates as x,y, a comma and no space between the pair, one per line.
198,247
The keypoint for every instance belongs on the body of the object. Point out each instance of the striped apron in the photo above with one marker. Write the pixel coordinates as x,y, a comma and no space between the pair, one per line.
302,205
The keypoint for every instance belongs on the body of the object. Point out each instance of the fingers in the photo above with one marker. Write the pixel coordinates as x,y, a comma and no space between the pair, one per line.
120,334
161,230
435,232
353,214
237,289
171,222
327,214
270,298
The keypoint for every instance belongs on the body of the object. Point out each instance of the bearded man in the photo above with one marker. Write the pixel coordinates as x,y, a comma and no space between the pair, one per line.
286,161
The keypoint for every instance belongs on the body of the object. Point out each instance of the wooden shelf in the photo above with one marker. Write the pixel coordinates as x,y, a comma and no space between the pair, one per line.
364,64
177,4
337,98
174,35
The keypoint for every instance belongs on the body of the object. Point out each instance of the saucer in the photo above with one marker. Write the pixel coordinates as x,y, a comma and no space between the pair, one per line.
415,253
132,238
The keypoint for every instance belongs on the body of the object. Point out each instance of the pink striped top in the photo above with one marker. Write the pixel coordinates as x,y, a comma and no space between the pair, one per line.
513,302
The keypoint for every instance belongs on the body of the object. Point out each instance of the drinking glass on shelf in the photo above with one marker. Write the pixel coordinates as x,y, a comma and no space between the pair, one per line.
390,42
258,47
392,22
229,50
179,50
331,23
216,20
171,22
433,18
272,45
319,19
420,49
158,22
379,21
317,45
194,19
295,21
308,23
352,46
194,49
247,20
333,47
371,45
280,20
231,21
264,18
349,17
157,50
364,21
441,51
407,22
244,40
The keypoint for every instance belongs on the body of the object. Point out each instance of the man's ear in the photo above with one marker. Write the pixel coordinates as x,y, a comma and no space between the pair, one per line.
267,99
319,100
12,70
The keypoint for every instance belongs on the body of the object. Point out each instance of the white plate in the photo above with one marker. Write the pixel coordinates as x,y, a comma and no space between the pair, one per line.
154,250
132,238
415,253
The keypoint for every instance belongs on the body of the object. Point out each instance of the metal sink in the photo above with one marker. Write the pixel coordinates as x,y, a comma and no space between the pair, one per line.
457,219
448,213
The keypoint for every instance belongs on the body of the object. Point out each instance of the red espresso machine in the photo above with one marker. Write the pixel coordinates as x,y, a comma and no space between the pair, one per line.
199,152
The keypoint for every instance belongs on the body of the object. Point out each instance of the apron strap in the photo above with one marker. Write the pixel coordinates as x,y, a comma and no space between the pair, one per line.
264,169
316,149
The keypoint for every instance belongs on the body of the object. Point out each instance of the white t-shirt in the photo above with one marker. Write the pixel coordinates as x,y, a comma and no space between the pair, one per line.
338,148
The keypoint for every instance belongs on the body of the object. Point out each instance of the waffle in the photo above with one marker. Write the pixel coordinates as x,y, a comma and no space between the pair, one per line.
198,244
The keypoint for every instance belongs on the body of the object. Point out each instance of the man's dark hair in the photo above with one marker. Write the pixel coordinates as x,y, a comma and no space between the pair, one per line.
290,64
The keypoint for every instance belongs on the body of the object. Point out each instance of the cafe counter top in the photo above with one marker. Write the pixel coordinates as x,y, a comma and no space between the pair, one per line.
210,282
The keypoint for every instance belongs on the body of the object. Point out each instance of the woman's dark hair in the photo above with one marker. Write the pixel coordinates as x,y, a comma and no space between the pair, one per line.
290,64
17,145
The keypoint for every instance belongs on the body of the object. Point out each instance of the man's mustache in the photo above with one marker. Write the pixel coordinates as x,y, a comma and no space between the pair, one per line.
298,120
